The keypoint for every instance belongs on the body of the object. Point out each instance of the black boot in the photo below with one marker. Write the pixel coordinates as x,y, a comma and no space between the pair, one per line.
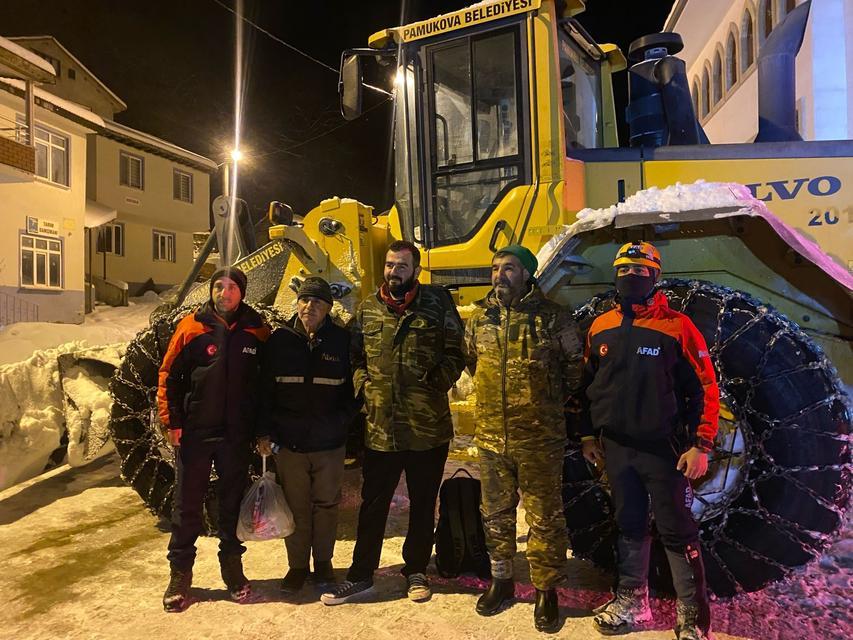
688,578
294,580
231,569
178,590
546,613
324,573
500,591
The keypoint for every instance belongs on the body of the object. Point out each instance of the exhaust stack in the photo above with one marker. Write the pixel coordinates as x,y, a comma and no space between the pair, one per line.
777,112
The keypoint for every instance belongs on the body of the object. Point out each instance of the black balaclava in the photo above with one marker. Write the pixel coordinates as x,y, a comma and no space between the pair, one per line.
634,289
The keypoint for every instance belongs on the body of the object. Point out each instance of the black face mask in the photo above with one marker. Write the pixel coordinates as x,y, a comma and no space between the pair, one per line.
634,289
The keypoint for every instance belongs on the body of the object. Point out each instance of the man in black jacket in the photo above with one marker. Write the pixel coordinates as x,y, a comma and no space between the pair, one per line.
306,410
206,398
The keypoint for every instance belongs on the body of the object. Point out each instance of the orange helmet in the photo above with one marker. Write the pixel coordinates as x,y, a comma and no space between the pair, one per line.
642,253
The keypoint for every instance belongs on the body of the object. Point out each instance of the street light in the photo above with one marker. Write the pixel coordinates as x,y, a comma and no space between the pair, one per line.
236,155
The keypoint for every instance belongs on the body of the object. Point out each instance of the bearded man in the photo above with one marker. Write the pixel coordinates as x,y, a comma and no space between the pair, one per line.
407,354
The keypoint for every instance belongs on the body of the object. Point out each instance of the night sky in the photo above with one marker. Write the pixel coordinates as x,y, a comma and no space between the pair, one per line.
173,64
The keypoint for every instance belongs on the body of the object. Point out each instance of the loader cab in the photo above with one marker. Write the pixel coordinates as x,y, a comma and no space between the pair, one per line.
483,119
460,142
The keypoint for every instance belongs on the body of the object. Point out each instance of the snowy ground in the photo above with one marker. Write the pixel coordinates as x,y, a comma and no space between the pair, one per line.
83,558
105,325
40,401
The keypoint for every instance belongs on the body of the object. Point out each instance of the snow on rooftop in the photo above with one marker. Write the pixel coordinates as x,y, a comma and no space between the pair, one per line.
71,107
33,58
147,138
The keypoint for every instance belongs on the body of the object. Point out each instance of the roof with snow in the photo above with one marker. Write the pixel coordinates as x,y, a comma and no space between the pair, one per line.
21,63
155,145
71,110
118,102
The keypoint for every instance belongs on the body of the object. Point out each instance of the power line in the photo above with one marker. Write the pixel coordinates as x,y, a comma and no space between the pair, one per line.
276,38
319,135
290,46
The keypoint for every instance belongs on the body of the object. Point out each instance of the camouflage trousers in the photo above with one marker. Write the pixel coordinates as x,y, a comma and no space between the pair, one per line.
539,476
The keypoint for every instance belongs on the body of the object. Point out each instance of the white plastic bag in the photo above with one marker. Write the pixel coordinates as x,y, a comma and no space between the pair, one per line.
264,514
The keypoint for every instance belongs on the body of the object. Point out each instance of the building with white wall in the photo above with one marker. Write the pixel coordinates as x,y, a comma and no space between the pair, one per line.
43,208
722,39
158,192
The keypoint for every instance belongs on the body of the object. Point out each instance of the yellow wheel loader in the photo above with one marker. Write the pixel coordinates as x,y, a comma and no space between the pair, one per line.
505,132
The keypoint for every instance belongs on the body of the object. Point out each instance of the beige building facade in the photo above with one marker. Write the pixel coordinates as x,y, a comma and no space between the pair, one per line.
73,81
43,208
722,40
86,204
161,194
155,194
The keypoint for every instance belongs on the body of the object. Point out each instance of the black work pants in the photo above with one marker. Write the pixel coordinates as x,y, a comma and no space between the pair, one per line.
635,476
380,475
193,476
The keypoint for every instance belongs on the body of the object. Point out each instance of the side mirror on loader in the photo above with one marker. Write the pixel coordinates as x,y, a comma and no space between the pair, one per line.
280,213
350,86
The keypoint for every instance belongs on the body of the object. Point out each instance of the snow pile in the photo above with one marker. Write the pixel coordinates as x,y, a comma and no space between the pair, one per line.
720,197
717,199
31,414
54,380
105,325
85,383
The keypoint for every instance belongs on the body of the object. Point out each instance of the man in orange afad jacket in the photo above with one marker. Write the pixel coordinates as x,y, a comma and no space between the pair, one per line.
206,399
652,395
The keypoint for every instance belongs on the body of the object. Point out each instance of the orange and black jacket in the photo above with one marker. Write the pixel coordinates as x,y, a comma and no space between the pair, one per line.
209,376
648,377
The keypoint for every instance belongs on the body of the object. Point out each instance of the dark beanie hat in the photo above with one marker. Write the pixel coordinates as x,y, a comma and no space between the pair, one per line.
525,257
315,287
234,274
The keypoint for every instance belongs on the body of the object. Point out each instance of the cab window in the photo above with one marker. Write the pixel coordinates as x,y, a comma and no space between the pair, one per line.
474,136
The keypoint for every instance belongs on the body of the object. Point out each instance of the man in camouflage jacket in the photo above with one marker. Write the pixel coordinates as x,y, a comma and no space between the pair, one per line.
407,354
525,355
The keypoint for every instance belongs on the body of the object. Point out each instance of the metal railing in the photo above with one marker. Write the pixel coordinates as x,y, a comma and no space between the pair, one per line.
14,309
14,130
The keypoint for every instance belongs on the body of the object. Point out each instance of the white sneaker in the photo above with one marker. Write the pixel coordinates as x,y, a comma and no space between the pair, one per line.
418,587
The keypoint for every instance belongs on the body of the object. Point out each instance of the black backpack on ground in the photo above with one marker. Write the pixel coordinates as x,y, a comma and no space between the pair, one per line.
460,542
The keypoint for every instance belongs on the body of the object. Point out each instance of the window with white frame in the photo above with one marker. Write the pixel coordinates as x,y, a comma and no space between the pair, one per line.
164,246
41,262
131,170
51,152
111,238
182,186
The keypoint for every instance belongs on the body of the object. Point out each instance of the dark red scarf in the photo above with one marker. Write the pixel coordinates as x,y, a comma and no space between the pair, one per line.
398,306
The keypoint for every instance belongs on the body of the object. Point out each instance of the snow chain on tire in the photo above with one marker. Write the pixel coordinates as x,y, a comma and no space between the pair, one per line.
147,461
779,479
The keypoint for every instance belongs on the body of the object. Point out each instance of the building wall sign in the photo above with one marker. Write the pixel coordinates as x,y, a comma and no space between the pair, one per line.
42,226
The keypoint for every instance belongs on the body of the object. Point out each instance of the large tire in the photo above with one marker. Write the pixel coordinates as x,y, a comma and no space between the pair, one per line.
780,477
147,461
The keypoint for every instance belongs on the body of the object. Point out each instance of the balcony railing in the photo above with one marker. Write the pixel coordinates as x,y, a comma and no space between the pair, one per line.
14,148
